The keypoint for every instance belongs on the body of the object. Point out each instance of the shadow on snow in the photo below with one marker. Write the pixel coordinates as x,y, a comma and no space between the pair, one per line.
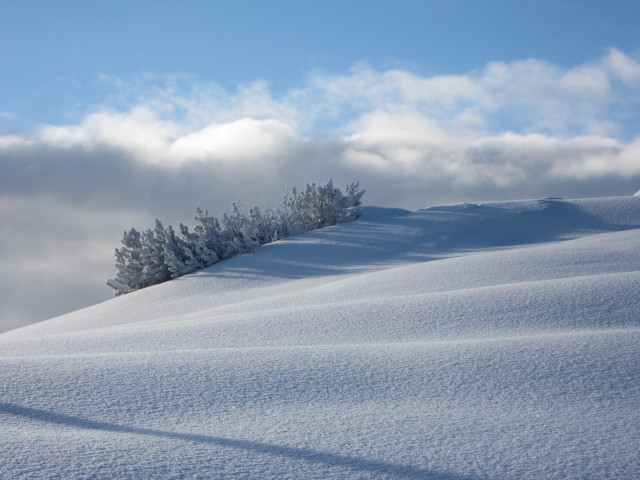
394,236
302,454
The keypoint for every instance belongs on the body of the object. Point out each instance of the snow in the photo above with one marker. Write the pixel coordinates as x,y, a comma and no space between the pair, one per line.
471,341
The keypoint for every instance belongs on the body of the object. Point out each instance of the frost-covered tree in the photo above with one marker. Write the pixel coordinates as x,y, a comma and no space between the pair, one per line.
154,268
159,254
320,206
179,255
353,196
238,233
209,233
128,264
199,254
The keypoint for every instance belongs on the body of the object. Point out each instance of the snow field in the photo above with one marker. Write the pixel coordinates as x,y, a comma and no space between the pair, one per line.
457,342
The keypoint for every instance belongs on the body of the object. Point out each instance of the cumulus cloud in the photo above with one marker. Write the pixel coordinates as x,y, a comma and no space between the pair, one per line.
622,66
163,145
239,141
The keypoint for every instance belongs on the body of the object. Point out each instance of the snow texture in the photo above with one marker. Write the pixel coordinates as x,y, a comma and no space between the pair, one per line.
470,341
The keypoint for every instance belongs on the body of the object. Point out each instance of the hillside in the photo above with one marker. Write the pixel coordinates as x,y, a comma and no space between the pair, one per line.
471,341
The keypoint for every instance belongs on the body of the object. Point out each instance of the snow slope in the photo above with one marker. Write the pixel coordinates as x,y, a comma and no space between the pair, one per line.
472,341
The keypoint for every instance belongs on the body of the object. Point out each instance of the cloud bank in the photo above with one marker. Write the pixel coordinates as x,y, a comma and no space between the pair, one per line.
161,146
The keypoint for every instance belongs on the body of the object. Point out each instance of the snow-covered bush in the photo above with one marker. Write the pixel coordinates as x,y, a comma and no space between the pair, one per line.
159,254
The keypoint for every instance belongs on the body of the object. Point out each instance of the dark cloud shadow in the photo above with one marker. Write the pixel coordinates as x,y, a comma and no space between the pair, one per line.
302,454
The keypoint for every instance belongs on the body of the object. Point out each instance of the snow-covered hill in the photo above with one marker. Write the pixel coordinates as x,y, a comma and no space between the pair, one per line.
471,341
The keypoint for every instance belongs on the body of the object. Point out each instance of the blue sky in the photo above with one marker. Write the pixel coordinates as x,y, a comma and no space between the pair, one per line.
54,54
114,113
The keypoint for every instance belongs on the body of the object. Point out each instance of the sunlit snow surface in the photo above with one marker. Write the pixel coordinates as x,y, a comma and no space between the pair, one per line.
471,341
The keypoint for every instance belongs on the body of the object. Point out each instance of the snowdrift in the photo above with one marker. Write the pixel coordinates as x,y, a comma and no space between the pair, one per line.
471,341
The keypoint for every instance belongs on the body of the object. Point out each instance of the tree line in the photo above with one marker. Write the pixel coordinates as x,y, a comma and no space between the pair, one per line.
161,253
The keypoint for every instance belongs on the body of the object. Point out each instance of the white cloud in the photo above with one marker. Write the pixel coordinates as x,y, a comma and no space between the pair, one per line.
238,141
139,131
14,141
398,143
622,66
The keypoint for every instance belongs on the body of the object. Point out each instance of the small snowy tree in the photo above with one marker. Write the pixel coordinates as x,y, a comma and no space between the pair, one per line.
179,256
154,268
209,234
200,254
128,264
